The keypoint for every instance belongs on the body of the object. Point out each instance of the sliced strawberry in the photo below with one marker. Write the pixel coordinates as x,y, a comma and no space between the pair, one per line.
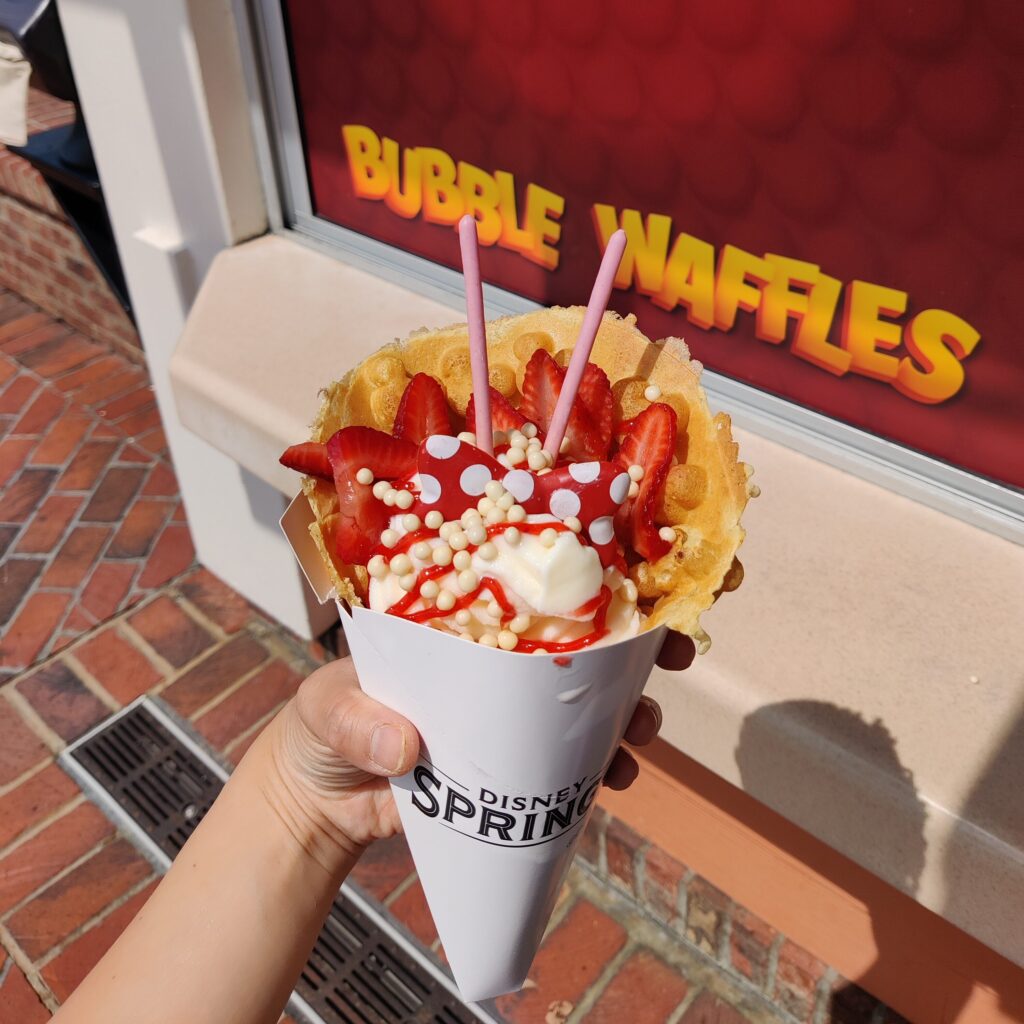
649,441
504,415
595,395
310,458
423,410
363,518
541,383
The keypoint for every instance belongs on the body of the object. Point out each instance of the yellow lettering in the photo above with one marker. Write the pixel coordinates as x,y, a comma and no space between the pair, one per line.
543,208
512,236
938,342
741,276
480,194
405,203
367,170
689,280
442,200
864,331
643,261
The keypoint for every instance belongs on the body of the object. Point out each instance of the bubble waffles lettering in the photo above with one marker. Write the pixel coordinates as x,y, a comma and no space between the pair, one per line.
841,328
502,819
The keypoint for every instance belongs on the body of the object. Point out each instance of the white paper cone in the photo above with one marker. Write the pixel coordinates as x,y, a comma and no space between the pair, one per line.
514,749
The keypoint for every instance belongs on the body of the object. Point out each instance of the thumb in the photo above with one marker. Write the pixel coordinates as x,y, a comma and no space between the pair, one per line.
361,730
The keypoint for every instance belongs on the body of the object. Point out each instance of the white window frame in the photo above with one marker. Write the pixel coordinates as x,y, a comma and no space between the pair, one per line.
977,500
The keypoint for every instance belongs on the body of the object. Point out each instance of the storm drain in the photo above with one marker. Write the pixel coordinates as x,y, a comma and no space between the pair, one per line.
151,777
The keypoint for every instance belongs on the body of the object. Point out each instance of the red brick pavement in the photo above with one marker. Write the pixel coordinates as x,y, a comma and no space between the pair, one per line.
88,504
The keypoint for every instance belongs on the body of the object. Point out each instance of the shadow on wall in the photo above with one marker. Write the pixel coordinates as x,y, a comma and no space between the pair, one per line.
776,772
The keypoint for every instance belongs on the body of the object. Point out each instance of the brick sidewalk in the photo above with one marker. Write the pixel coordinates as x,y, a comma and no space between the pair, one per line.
100,602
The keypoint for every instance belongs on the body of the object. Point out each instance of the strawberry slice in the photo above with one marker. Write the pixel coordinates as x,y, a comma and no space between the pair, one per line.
504,416
541,383
422,411
595,395
310,458
362,517
649,441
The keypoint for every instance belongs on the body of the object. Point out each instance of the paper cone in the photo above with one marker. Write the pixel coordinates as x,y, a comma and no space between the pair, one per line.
514,750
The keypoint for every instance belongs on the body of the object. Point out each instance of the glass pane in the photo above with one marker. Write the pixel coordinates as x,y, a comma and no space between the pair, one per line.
824,200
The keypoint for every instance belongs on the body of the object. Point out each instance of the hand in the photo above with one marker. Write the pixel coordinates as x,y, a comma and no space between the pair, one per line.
337,747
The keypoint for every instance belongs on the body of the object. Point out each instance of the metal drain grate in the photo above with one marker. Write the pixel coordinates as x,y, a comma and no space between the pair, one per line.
152,778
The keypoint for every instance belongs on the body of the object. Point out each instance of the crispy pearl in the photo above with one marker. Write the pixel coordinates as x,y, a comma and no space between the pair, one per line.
652,392
469,517
380,488
515,456
458,541
529,429
430,589
667,533
441,555
468,581
390,497
408,581
401,564
520,624
487,551
494,609
389,538
507,640
364,475
516,514
636,472
484,505
548,537
445,600
411,522
434,519
634,489
468,436
517,439
535,460
462,560
488,640
476,533
493,489
573,523
496,515
463,616
513,536
421,550
506,501
446,530
377,567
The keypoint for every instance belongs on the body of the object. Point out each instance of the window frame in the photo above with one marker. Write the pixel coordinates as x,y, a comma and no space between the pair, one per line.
943,486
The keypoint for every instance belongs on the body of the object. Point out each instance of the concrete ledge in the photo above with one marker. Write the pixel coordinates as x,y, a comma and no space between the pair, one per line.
865,681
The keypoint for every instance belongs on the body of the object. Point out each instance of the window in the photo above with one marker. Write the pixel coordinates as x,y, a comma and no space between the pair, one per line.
821,200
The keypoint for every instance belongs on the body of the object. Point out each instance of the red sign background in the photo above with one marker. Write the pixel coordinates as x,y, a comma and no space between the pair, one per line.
883,142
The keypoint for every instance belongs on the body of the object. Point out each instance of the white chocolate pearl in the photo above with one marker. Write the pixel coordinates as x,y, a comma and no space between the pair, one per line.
636,472
515,456
533,445
421,550
634,489
535,460
548,537
468,580
434,519
513,536
507,640
364,475
462,560
468,436
613,577
445,600
484,505
458,541
411,522
377,567
441,555
573,523
517,514
463,617
446,530
667,533
488,640
401,564
430,589
408,581
517,439
487,551
404,499
493,489
652,392
477,534
389,497
629,591
520,624
494,609
542,472
469,517
389,538
506,501
380,488
503,460
529,429
496,515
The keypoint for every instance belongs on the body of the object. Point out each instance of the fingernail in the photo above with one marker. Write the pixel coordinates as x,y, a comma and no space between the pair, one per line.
387,745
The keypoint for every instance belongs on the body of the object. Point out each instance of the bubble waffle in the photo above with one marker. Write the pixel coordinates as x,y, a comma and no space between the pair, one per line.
704,494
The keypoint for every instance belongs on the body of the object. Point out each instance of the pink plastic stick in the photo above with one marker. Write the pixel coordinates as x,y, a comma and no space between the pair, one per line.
585,342
477,334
